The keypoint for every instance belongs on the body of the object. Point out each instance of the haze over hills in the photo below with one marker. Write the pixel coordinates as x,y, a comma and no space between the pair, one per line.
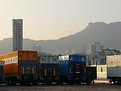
108,34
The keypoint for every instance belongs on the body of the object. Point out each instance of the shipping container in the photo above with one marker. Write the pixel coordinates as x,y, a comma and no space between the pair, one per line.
101,72
48,59
73,69
20,66
64,75
49,73
114,68
48,69
90,74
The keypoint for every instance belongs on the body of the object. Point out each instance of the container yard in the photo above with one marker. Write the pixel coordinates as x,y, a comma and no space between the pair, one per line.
26,70
26,67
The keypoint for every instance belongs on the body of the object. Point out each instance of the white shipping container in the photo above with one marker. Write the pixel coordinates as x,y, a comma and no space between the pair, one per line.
48,59
113,61
114,65
102,72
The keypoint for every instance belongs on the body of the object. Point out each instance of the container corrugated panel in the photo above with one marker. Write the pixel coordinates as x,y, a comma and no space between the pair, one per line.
101,71
114,61
63,62
28,66
64,68
114,72
51,70
48,59
10,69
78,57
28,55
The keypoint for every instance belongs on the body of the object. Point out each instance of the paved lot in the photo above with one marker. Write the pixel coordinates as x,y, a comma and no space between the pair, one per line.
96,87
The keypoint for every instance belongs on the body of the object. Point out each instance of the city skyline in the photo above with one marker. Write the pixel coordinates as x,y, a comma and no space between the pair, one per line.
53,19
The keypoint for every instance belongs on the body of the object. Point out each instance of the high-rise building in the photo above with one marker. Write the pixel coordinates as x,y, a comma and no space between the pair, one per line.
95,47
17,34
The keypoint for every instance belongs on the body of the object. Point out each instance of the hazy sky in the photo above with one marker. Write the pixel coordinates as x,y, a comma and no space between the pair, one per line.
52,19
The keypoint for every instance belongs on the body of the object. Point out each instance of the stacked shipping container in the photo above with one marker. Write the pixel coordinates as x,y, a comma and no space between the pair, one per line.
19,66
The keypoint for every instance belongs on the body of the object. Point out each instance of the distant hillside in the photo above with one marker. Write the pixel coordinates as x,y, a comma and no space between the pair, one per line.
108,34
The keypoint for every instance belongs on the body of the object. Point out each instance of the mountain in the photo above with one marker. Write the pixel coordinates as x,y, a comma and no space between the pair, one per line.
107,34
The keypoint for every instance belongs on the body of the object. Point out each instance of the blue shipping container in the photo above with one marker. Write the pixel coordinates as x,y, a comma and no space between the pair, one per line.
65,61
77,57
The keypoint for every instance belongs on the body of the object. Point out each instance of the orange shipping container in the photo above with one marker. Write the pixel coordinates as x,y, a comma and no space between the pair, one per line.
28,55
11,69
12,60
